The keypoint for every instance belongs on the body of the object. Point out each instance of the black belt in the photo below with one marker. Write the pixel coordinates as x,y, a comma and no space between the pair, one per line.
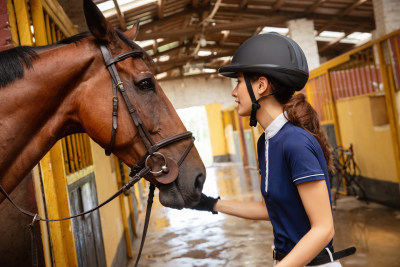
322,258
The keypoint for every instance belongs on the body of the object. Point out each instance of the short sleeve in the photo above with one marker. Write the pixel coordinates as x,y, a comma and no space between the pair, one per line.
302,159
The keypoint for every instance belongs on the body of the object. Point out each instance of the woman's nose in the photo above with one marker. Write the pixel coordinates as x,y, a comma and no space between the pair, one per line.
234,92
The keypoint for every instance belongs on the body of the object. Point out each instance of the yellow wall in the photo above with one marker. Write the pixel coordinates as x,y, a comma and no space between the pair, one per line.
110,214
216,128
228,131
373,146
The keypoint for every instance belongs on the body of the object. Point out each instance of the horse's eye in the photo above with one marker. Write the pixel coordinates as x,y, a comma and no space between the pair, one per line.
146,84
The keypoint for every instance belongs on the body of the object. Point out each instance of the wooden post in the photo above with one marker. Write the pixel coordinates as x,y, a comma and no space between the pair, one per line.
23,22
39,26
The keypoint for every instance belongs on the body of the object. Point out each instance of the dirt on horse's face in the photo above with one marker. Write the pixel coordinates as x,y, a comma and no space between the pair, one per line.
152,105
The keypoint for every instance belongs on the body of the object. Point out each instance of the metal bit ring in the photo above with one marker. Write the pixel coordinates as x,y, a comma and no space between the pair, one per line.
164,168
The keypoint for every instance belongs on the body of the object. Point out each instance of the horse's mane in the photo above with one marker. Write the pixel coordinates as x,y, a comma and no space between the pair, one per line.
12,61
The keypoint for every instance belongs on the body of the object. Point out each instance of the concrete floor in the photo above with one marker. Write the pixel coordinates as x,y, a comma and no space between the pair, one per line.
193,238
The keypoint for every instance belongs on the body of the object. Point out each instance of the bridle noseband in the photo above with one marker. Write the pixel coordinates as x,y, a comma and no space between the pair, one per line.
151,146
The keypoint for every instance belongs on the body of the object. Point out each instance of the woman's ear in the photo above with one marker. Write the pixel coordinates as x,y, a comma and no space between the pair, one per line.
263,85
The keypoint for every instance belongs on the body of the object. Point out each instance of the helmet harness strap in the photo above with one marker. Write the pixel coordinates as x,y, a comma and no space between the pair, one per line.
255,105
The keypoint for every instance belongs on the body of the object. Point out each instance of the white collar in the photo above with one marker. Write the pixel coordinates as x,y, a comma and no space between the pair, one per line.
275,126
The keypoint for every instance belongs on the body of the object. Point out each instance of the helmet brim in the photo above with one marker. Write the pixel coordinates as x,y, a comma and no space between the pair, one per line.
283,75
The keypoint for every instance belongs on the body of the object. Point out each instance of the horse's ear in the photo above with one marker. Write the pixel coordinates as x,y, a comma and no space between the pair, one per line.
96,22
133,32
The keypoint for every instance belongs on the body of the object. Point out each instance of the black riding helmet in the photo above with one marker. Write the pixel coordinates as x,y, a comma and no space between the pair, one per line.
273,55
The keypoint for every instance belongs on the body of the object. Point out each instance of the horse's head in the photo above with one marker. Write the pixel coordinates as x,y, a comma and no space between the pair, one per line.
159,118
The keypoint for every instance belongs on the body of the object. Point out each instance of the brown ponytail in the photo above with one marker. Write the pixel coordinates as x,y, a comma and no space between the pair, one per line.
300,113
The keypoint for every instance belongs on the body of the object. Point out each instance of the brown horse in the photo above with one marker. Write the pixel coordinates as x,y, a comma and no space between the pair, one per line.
50,92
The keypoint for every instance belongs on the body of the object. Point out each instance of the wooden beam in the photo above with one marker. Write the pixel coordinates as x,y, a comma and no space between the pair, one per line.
257,31
314,6
195,3
181,15
23,22
243,3
191,59
58,15
13,23
38,22
335,41
155,47
225,35
160,10
168,78
120,15
217,28
331,43
277,5
341,14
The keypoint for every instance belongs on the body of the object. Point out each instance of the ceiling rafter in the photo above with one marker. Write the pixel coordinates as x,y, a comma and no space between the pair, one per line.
278,4
341,15
160,9
174,26
120,15
314,6
217,28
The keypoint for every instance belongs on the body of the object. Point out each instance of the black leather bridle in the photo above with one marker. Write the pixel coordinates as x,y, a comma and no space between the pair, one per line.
141,168
151,146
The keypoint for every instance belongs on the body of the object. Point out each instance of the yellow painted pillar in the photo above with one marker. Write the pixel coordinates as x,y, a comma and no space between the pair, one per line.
13,23
56,194
390,105
48,29
123,210
228,131
216,128
39,26
23,22
53,32
334,111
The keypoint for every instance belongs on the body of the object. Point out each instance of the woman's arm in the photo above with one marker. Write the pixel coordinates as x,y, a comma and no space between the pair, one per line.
315,198
254,210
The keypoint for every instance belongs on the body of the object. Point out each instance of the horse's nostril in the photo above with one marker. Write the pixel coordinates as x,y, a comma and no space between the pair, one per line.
199,181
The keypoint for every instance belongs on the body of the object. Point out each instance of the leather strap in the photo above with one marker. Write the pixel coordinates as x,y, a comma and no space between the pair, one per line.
146,221
322,258
254,102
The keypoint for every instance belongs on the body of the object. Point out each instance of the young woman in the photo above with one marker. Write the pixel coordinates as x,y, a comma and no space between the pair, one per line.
293,153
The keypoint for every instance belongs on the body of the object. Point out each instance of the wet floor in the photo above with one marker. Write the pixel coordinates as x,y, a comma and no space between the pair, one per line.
194,238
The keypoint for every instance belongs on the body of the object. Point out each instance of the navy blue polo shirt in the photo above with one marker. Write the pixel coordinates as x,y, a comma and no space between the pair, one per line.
287,157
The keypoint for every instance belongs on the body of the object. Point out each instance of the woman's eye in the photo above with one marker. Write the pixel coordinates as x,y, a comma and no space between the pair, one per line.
146,85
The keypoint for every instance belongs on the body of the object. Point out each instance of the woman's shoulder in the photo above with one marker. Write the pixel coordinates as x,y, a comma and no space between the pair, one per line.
297,137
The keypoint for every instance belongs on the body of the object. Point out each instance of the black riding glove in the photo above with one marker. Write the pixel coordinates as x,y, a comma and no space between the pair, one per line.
206,203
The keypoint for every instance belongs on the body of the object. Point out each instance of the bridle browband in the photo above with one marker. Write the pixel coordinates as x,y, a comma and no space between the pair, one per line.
141,168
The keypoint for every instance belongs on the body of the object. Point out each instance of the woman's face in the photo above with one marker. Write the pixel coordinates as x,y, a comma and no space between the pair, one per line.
242,97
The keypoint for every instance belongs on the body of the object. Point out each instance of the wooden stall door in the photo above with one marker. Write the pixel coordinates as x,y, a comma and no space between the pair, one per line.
87,228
